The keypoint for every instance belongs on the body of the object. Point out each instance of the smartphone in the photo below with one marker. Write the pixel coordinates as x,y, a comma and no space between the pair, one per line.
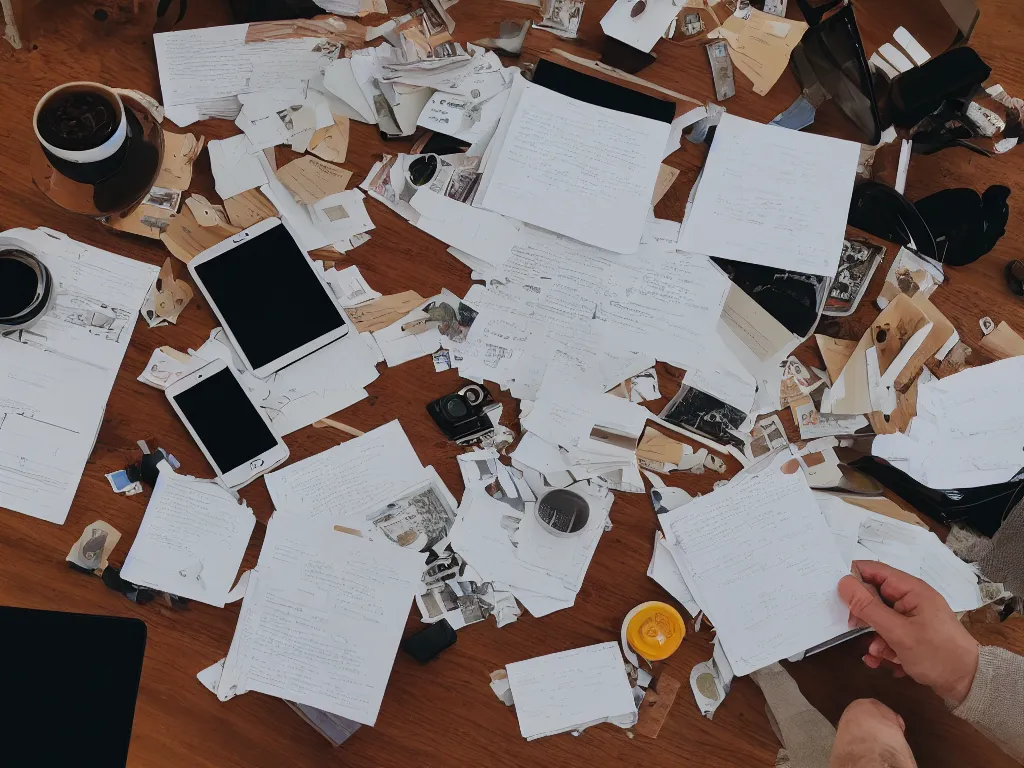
269,297
234,435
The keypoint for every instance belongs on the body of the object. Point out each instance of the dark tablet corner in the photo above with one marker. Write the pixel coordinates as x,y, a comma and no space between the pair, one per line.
70,682
601,93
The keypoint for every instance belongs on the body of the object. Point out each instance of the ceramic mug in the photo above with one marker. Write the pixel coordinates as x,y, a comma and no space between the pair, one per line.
563,513
83,130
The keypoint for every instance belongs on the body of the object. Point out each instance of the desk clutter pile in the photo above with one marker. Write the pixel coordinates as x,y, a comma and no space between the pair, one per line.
542,180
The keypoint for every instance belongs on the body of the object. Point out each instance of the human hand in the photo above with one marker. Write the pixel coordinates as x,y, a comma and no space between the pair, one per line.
919,635
869,733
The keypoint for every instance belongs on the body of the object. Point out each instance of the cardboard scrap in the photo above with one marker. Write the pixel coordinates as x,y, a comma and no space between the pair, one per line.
655,707
760,46
899,419
331,143
835,352
658,448
380,313
206,213
170,296
666,177
249,208
146,220
310,179
1003,342
180,152
185,237
348,33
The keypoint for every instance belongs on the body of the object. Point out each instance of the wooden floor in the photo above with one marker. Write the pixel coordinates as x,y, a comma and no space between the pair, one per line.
445,713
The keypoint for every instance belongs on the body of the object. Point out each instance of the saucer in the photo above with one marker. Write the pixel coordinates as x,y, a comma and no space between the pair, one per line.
120,192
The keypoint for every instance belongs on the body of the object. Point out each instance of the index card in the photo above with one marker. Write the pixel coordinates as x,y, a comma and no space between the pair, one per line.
773,196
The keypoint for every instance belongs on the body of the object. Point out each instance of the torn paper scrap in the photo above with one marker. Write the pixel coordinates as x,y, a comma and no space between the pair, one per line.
310,179
248,208
180,152
911,275
331,143
234,165
94,546
166,366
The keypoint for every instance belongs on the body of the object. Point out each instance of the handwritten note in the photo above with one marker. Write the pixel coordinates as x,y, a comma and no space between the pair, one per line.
322,619
763,565
576,169
571,690
773,196
191,541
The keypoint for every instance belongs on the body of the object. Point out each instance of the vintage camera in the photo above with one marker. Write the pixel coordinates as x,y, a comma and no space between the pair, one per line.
462,415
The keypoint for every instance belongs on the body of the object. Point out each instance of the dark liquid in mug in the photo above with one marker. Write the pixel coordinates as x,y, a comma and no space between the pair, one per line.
18,285
78,119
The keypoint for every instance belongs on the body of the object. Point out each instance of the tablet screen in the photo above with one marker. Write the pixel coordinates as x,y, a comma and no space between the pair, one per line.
225,420
270,299
70,681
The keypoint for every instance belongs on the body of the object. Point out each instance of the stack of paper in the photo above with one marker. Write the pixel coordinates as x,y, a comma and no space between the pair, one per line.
508,545
57,376
571,690
761,562
967,429
192,539
864,535
322,619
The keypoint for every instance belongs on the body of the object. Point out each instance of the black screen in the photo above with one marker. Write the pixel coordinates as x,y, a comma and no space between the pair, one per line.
270,299
70,682
227,422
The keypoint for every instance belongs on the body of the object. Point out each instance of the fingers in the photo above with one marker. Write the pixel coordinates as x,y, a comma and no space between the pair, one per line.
868,608
882,650
891,582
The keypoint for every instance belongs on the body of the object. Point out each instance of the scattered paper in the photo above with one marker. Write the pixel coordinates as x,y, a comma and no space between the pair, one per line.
311,180
571,690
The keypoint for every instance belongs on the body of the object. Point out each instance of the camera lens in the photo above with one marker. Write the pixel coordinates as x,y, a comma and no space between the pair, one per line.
455,407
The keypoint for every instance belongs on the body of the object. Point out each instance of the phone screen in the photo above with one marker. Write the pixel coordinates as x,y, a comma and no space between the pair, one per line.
269,297
226,421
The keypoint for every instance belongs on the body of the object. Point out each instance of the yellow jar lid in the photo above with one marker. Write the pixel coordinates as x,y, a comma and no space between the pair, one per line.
655,631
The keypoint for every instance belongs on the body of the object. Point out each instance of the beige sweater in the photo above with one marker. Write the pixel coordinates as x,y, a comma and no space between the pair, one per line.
995,705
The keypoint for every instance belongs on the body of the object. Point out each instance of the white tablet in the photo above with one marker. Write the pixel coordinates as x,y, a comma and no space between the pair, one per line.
234,435
267,294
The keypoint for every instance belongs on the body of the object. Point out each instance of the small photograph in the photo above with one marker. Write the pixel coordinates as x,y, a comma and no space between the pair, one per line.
692,24
419,520
766,436
168,199
857,264
476,602
432,603
705,415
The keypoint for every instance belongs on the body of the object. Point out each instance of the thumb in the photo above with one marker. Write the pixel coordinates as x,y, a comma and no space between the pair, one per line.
871,610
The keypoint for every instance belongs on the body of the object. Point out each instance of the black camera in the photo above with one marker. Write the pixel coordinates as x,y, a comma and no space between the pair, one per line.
462,416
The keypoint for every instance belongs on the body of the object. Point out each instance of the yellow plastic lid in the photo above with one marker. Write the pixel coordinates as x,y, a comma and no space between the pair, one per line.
655,631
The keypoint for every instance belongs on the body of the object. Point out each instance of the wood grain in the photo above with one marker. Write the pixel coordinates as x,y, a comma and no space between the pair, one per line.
444,712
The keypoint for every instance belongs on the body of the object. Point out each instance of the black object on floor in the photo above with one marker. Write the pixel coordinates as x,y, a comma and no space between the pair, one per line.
70,682
965,225
428,643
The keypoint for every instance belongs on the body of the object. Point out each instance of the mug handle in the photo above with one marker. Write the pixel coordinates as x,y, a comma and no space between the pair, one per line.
151,104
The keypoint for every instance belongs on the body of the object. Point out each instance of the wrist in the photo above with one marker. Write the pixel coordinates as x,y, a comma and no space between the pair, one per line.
959,686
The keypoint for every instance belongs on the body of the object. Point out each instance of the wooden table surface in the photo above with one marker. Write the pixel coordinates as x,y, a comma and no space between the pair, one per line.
444,712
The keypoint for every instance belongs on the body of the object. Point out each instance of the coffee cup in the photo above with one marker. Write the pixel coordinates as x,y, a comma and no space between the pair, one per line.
563,513
83,129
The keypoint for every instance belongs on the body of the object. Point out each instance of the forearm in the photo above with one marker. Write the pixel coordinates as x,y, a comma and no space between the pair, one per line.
995,704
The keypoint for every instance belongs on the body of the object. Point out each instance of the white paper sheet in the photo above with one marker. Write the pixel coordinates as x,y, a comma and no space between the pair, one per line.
580,170
967,429
192,539
56,377
236,166
773,196
322,620
663,569
571,690
763,563
643,31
